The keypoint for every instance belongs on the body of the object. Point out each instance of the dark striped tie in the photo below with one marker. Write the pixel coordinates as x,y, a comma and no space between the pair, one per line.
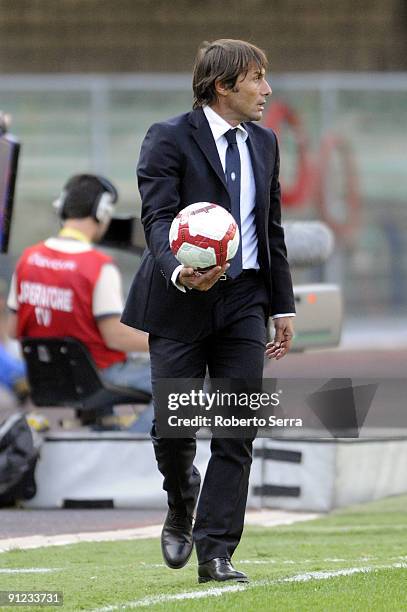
233,181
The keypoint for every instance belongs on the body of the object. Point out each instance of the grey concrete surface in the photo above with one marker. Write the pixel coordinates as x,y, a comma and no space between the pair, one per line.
18,523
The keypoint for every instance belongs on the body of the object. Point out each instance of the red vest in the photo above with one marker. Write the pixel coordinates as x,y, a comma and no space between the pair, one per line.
54,295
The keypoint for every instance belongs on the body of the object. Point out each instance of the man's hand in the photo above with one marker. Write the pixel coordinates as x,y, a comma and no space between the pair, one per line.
284,331
201,280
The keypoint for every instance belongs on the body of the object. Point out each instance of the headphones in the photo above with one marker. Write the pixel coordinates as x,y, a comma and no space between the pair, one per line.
103,206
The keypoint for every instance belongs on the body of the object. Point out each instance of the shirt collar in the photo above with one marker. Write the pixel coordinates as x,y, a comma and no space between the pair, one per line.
219,126
73,234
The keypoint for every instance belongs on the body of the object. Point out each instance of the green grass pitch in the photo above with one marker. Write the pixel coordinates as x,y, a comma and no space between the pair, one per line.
352,560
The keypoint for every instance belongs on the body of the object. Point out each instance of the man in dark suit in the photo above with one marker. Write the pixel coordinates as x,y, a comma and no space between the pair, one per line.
217,319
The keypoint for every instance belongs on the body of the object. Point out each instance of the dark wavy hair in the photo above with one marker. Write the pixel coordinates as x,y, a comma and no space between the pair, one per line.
81,192
222,60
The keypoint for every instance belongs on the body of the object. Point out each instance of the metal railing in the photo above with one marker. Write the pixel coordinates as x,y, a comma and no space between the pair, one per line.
77,122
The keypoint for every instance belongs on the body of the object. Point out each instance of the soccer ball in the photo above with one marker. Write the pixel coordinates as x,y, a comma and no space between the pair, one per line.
203,235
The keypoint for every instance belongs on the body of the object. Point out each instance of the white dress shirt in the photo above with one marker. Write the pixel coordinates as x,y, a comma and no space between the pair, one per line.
219,127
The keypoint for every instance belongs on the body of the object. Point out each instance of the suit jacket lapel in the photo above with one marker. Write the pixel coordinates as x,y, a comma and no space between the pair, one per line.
204,138
257,155
258,165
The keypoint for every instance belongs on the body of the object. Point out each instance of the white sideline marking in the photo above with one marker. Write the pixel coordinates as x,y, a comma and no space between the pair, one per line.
281,562
38,541
266,518
219,591
347,528
154,599
347,571
272,518
240,562
28,570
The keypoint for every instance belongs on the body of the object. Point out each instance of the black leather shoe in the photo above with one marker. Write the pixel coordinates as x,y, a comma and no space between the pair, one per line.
219,569
176,539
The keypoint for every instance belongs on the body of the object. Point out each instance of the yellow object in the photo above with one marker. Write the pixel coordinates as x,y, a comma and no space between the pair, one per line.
70,232
37,421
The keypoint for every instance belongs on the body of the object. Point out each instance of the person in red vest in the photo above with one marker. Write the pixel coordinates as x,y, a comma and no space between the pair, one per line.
66,287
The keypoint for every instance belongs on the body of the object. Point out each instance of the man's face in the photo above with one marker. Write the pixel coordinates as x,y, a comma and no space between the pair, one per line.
245,102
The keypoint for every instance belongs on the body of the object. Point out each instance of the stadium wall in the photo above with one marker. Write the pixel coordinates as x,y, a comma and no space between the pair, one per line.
144,35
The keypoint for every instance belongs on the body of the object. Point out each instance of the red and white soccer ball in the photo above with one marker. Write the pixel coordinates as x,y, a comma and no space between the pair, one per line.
203,235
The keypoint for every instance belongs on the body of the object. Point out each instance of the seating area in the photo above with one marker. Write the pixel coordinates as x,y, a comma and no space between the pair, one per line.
61,373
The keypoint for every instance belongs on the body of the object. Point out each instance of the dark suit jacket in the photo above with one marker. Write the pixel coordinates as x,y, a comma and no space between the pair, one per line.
179,165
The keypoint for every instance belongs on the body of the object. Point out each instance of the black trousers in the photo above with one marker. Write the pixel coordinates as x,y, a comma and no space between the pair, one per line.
234,349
